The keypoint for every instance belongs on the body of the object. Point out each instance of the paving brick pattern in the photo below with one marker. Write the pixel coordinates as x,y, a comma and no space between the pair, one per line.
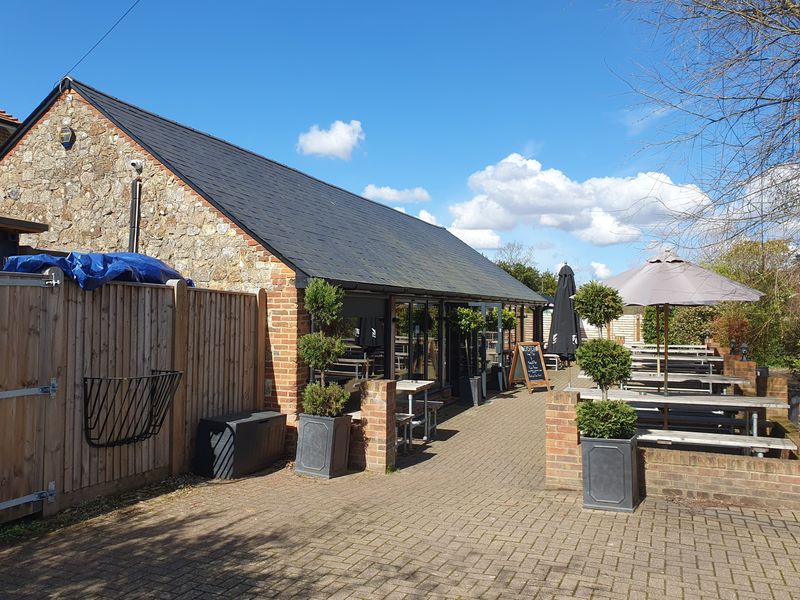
467,517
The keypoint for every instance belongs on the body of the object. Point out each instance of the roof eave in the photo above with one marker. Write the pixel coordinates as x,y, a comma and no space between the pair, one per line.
406,291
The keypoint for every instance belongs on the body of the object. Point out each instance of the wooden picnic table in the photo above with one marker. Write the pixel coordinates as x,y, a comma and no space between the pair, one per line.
672,351
671,346
749,404
681,377
679,359
657,379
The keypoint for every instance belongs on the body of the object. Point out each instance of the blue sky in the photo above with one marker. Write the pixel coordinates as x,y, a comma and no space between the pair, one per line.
514,118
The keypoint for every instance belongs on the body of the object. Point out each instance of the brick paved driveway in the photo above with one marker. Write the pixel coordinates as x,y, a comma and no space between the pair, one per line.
468,519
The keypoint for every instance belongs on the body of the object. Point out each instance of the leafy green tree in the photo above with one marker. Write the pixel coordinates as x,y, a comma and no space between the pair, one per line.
509,319
605,361
687,324
539,281
597,303
771,326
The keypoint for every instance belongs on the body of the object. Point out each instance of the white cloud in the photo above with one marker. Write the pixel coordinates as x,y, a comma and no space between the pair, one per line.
601,210
480,239
401,209
390,194
338,141
427,217
601,270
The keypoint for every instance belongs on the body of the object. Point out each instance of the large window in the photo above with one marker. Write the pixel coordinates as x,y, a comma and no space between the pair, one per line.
418,348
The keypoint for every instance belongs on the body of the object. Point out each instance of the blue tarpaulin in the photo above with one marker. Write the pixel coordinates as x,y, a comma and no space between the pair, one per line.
91,270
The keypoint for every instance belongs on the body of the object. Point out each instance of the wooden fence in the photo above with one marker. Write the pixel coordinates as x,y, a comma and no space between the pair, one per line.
60,332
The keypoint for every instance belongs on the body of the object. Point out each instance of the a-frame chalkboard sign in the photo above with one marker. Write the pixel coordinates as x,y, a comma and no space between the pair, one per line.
527,366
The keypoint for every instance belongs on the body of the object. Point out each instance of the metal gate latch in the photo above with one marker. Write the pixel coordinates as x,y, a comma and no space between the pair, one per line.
49,494
41,390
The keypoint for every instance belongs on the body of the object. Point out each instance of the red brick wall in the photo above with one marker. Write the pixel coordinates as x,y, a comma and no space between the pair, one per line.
722,479
563,468
712,477
286,374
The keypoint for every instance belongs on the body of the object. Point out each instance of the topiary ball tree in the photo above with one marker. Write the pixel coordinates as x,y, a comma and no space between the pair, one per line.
597,303
469,321
322,348
605,361
320,351
324,301
606,419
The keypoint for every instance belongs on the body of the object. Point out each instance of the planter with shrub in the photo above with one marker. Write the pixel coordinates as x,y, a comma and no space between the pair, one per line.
609,455
323,438
469,322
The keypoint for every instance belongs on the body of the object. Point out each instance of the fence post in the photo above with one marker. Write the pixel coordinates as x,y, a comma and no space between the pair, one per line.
53,363
180,350
261,350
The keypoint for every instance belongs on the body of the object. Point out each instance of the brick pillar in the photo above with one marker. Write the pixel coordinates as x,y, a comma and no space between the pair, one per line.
778,387
746,369
563,468
285,374
378,408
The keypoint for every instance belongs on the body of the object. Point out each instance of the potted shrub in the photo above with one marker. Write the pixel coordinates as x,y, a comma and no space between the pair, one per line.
469,321
608,451
323,438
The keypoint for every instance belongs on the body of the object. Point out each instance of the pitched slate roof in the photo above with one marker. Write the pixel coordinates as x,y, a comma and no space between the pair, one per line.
317,228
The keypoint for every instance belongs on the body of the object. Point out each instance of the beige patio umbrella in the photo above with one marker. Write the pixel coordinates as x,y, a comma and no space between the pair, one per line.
667,279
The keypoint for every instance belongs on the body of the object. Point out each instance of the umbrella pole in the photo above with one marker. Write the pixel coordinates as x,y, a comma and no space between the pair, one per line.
658,341
666,348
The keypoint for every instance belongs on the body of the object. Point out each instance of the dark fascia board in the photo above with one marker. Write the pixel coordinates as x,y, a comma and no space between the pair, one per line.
20,226
399,291
76,87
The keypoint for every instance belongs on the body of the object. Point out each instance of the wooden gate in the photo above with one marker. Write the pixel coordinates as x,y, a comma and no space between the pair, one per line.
53,337
28,307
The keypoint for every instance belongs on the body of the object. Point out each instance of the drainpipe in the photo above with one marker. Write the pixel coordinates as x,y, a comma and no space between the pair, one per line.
136,201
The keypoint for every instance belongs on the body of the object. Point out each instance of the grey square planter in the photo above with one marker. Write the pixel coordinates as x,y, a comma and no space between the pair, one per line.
323,446
610,474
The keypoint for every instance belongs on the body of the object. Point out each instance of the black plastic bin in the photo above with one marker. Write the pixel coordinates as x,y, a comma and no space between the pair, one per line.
232,446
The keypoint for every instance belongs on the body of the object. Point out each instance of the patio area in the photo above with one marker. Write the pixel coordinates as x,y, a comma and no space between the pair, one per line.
468,517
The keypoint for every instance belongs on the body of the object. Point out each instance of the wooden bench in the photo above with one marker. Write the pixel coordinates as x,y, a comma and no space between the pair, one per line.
759,445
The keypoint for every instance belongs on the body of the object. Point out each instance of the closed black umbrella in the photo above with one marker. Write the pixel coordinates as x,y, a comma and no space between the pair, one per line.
565,326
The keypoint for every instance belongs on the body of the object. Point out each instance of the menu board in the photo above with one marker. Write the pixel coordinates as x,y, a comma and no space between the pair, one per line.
527,366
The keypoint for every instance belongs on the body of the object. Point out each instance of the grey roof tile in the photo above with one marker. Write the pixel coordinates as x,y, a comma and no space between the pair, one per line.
320,229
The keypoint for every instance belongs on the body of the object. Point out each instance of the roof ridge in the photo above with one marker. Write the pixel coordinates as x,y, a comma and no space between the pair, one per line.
80,84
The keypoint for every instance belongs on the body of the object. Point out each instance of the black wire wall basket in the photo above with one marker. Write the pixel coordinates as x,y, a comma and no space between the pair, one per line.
125,410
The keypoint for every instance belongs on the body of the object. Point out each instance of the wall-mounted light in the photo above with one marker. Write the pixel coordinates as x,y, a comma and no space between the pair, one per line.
66,136
744,350
732,345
